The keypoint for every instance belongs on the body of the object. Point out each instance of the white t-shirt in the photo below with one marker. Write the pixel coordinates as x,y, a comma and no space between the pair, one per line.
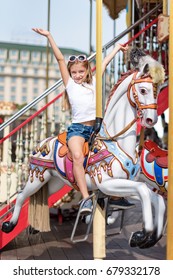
82,98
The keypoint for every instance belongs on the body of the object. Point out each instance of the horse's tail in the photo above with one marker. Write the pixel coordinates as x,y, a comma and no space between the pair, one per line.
39,210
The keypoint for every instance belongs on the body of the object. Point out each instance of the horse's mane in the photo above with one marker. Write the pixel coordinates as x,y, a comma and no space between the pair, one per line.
121,79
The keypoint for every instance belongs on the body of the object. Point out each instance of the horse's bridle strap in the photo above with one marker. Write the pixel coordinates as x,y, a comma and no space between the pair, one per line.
135,95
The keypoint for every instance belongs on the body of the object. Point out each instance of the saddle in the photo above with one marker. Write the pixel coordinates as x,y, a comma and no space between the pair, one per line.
64,148
156,154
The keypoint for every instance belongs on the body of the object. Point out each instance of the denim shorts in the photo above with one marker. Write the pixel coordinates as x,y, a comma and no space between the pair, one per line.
78,129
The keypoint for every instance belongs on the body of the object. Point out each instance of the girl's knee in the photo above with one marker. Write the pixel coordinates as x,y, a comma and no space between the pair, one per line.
78,158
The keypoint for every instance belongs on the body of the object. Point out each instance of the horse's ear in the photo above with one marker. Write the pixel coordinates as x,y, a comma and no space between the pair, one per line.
145,69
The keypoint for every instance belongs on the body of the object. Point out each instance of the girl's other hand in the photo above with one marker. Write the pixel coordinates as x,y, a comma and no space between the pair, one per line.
41,31
123,48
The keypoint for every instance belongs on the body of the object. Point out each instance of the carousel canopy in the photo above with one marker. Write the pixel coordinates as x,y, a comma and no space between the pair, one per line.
115,6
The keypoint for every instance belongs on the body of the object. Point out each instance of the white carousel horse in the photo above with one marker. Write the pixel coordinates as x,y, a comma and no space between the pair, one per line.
112,163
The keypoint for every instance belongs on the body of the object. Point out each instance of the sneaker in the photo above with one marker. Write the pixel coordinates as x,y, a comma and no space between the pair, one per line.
121,203
87,207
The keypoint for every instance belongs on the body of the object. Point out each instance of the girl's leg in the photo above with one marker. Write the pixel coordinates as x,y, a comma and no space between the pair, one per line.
75,145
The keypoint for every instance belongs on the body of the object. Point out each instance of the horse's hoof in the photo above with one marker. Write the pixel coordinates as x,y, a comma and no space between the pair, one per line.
7,227
150,242
137,238
132,241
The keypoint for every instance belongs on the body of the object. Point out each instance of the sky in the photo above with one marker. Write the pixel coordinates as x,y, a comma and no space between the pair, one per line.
69,22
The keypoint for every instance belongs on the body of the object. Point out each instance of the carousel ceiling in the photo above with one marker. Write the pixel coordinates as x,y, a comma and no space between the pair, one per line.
115,6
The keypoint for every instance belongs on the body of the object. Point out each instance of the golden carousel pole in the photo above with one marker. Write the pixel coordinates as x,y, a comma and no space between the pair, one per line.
170,146
47,64
99,216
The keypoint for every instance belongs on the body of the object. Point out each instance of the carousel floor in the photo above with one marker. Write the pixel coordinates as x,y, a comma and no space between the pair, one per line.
57,245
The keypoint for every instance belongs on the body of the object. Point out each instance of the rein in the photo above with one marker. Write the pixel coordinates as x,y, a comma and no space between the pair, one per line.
113,138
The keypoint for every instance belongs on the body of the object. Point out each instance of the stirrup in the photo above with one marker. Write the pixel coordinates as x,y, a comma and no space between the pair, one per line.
96,195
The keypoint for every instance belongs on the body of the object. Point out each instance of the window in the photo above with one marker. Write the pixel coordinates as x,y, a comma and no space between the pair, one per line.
35,90
13,61
13,98
13,89
24,90
24,80
35,71
13,69
13,80
35,81
24,99
2,69
1,88
24,70
1,79
24,53
2,51
13,56
35,54
13,52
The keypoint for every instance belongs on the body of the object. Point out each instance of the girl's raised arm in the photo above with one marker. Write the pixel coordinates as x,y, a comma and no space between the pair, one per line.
111,55
57,53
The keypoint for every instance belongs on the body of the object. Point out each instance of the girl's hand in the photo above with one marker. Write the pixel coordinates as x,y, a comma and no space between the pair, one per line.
122,47
41,31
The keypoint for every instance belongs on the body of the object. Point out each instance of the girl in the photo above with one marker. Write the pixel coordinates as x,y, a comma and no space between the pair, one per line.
80,86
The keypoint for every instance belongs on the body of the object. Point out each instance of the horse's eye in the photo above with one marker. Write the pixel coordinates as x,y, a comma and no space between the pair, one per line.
143,91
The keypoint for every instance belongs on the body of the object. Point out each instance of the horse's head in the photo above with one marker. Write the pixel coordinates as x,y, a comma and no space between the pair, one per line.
145,86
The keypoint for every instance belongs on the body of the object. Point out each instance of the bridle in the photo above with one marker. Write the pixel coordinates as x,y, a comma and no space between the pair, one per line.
134,81
135,104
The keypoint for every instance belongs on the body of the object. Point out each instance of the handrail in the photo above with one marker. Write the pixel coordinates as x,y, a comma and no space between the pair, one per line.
30,105
59,82
30,118
130,28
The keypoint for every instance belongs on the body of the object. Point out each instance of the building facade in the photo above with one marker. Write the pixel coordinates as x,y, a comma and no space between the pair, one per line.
23,74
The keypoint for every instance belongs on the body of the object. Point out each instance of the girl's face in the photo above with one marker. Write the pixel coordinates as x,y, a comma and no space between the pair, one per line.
78,72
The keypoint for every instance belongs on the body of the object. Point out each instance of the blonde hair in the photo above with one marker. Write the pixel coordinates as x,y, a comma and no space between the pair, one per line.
86,64
65,105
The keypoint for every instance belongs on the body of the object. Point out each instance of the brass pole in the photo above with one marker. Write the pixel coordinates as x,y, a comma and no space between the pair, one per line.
99,216
165,7
99,58
170,146
90,32
47,64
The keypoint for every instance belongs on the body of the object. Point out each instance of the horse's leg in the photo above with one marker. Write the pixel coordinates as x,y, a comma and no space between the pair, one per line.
159,209
122,187
29,189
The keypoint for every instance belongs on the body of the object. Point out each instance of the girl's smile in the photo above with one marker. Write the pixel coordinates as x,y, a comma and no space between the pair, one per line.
78,72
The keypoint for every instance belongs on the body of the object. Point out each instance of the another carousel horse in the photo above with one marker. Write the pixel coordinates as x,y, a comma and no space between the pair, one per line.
154,167
112,163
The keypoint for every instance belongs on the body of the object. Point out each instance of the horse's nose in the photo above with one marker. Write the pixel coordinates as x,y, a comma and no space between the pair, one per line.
149,121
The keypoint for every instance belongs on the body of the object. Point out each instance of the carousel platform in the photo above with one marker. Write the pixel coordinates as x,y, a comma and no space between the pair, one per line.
57,245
